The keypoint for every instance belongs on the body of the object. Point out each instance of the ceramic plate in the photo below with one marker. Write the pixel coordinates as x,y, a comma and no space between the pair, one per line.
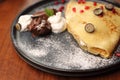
58,53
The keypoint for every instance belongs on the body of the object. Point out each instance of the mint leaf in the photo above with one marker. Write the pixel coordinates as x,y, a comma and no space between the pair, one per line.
49,12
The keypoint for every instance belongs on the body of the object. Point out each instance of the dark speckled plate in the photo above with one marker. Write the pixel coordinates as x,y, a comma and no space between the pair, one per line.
58,53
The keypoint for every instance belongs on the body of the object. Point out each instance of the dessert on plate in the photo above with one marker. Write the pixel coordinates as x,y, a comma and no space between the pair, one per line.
42,23
95,26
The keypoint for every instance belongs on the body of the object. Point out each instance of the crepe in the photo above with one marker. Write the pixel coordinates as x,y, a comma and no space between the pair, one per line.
107,27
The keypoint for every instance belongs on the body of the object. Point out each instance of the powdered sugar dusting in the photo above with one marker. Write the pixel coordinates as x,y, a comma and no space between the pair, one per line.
60,51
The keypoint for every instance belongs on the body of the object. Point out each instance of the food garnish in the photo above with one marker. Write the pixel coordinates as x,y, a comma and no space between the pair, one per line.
61,8
98,11
87,7
81,11
56,2
109,7
63,1
49,12
74,9
58,23
102,7
114,11
23,22
95,3
81,1
89,28
18,26
117,54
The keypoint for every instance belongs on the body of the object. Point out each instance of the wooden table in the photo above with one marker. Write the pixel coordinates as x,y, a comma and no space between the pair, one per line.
12,67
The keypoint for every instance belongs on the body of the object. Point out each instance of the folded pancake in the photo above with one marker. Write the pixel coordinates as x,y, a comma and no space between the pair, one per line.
106,35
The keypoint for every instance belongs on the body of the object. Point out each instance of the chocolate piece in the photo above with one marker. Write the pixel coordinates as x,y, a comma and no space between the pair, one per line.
41,29
98,11
38,14
109,7
39,25
89,28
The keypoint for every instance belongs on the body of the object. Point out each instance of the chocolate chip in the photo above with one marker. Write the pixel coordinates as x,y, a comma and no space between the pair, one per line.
89,28
98,11
18,26
109,6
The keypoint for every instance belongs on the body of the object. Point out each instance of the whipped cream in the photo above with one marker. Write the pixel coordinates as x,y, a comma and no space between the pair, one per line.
24,21
57,23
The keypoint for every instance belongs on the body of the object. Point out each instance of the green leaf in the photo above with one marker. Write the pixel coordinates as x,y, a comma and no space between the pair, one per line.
49,12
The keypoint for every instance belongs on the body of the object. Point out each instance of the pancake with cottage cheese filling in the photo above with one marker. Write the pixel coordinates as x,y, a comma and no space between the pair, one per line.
95,26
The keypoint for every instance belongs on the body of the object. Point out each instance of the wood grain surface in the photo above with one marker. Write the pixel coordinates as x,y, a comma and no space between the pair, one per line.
12,67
